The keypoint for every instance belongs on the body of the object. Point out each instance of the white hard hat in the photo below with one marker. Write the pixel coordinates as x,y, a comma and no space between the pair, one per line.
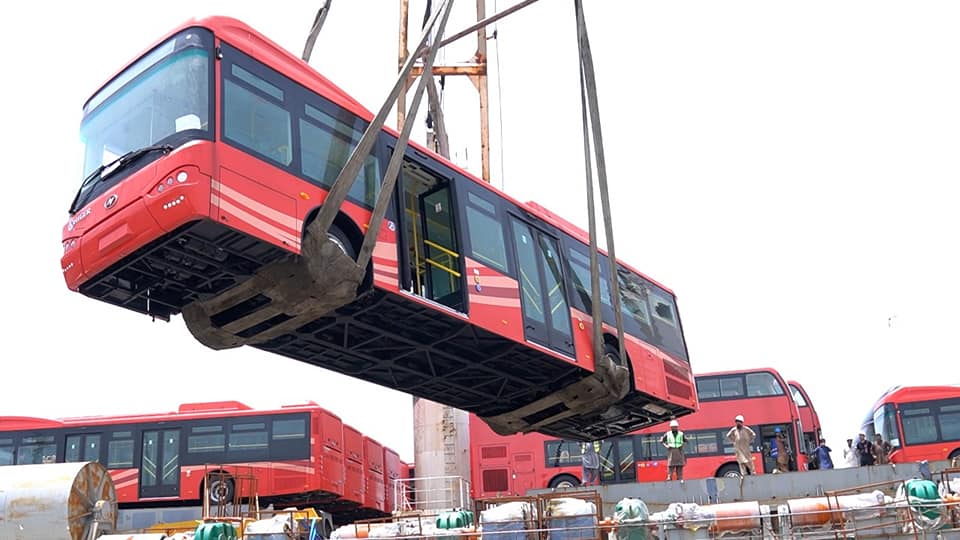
674,423
739,418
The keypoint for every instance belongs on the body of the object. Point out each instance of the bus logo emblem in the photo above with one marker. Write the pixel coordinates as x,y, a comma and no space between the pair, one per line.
111,200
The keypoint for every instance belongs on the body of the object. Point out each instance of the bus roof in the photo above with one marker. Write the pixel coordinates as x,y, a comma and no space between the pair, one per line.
917,393
238,32
211,409
740,372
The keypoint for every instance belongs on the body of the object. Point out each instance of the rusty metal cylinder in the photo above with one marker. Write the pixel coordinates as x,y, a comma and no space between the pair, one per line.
56,501
738,516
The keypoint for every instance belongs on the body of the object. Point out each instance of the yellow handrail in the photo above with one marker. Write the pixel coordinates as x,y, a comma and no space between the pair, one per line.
442,267
441,248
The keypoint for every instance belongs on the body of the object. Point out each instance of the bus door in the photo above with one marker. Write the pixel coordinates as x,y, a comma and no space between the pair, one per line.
523,473
160,463
618,462
431,264
546,313
767,434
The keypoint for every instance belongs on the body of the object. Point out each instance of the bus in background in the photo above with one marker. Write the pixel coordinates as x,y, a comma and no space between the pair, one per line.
812,432
514,464
207,158
295,453
919,422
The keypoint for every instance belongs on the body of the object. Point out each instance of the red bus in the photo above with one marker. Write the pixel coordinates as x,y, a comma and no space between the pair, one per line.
227,147
514,464
919,422
812,431
295,452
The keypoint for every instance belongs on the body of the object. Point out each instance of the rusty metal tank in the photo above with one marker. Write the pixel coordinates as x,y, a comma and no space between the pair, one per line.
56,501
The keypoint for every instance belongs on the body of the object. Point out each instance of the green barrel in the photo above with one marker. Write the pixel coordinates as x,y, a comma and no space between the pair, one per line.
215,531
923,497
455,519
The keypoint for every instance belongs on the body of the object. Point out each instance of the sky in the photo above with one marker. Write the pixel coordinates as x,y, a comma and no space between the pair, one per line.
788,169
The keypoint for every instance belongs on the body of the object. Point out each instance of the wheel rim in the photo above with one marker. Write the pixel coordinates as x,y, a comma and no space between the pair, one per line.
565,484
613,359
219,491
338,242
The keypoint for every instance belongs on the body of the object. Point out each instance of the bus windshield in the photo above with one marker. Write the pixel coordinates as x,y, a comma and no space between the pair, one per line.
885,423
162,98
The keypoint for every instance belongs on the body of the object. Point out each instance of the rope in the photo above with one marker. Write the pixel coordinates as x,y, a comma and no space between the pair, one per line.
588,100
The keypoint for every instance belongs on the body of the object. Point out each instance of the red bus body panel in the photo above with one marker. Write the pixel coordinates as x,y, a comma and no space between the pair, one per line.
392,471
355,479
374,495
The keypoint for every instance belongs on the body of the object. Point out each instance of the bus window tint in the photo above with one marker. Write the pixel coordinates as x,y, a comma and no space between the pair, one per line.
6,451
120,450
731,387
326,143
918,425
255,121
563,453
580,276
486,232
39,449
949,420
763,384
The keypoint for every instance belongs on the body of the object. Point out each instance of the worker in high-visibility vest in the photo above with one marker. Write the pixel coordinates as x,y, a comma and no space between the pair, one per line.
673,441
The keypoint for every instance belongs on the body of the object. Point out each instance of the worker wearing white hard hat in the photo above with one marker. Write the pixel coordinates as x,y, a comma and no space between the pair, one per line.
673,441
742,438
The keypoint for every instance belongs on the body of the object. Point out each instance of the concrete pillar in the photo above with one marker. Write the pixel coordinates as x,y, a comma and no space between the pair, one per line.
441,446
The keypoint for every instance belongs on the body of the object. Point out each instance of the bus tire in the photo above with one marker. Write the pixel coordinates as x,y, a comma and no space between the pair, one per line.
730,470
612,352
340,239
564,481
221,489
954,455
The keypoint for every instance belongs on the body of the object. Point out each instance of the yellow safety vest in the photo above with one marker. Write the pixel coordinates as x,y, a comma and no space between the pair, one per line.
674,441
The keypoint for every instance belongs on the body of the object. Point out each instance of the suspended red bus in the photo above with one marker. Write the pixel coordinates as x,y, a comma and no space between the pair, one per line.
919,422
517,463
296,454
812,431
220,148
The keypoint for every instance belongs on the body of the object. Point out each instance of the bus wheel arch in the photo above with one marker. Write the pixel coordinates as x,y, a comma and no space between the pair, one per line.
347,235
729,470
563,481
954,455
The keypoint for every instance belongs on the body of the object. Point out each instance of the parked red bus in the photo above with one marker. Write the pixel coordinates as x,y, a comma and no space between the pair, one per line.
296,453
227,146
812,431
919,422
514,464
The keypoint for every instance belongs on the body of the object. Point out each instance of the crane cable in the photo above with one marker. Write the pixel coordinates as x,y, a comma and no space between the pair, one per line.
588,102
348,174
315,30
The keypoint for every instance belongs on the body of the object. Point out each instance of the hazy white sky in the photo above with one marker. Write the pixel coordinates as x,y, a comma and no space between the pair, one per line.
789,169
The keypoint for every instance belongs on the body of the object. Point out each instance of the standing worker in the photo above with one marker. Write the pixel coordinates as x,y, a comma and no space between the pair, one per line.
822,455
780,451
591,463
673,441
865,451
742,438
881,450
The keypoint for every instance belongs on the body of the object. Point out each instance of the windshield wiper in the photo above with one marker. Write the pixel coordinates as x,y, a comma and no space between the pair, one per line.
98,174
